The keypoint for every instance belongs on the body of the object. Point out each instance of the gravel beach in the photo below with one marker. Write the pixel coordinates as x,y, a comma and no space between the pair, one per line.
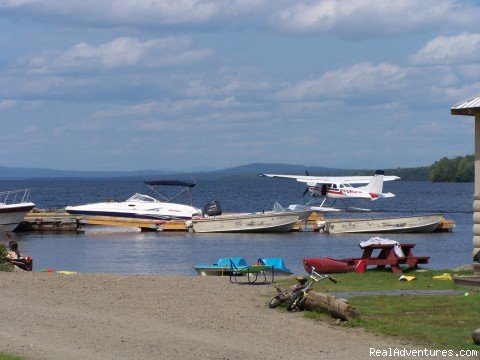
93,316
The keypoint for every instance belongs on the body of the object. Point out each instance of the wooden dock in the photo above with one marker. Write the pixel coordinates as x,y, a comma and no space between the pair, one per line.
59,221
45,221
445,225
143,224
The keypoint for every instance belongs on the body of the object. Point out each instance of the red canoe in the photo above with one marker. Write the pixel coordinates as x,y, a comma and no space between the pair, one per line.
333,266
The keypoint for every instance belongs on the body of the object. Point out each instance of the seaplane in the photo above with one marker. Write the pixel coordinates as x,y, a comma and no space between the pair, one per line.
340,188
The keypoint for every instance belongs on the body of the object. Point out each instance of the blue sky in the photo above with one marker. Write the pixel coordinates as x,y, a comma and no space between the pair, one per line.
189,85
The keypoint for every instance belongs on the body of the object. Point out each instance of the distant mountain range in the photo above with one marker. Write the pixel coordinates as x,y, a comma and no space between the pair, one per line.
10,173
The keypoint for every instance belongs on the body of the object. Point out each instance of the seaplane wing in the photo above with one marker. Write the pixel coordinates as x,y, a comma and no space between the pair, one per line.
331,179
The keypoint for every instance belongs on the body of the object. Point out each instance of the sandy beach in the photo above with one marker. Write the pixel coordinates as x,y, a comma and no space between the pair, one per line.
92,316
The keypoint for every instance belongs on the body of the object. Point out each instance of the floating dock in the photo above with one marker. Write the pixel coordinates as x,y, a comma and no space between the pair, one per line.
52,221
60,221
49,221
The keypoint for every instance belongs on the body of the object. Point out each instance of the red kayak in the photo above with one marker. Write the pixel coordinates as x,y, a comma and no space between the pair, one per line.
333,266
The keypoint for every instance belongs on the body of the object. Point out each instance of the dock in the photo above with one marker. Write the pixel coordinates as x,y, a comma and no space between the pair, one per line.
60,221
49,221
445,225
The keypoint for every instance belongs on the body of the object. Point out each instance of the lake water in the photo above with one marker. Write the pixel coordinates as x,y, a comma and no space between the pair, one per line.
128,251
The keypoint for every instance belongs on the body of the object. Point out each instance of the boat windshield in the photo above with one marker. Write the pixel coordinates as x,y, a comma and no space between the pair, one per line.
142,198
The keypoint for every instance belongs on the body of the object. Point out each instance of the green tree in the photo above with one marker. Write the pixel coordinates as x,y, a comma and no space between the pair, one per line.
458,169
4,264
466,169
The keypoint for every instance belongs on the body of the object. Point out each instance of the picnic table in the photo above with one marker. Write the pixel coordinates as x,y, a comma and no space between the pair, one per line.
386,257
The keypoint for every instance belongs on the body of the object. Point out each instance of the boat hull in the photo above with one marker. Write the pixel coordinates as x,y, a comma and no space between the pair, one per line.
11,215
135,210
419,224
326,265
257,223
213,271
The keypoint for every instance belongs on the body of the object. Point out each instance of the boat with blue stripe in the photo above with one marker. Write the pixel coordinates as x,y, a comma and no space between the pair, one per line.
142,206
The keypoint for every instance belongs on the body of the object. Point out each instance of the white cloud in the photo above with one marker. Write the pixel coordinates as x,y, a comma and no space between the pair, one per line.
358,80
351,18
458,49
140,14
142,109
364,18
456,94
429,128
122,52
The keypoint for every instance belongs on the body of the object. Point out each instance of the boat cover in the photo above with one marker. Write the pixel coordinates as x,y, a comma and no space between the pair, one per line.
171,183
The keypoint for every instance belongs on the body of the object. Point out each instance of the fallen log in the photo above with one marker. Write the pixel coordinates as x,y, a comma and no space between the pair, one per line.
338,308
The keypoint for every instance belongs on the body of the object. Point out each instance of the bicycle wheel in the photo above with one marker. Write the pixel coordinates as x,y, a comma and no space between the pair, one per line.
275,302
294,301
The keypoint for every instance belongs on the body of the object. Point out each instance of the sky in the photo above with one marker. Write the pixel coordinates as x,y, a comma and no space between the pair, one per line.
199,85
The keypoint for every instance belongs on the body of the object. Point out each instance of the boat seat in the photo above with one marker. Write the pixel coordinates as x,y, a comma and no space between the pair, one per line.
251,271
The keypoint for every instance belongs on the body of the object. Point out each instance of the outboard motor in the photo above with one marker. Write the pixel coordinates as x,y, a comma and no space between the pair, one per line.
212,208
324,189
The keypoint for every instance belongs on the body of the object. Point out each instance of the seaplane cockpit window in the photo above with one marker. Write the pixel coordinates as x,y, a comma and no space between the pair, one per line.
341,186
334,186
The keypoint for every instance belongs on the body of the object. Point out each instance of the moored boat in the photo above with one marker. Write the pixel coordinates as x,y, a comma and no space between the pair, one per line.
141,206
276,221
266,222
333,266
406,224
14,206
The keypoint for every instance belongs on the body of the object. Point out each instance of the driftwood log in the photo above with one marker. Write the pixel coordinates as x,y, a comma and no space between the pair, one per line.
337,308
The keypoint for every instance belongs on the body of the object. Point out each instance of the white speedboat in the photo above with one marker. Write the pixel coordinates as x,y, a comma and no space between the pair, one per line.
142,206
14,205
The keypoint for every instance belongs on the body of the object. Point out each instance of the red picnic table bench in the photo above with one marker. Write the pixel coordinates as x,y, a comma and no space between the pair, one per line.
387,257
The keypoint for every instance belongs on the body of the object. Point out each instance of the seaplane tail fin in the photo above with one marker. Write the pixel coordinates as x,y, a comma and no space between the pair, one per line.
375,186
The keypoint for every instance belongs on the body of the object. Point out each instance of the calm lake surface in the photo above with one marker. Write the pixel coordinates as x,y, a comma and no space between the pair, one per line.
128,251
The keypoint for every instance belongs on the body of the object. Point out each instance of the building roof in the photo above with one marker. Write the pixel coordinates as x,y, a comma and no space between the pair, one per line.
469,106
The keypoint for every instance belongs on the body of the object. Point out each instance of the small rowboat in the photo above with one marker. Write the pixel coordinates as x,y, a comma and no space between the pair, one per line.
333,266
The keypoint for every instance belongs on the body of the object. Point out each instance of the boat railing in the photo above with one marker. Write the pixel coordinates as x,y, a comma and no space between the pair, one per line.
14,196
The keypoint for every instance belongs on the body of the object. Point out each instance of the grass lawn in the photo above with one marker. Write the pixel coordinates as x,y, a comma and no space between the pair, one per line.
9,357
439,322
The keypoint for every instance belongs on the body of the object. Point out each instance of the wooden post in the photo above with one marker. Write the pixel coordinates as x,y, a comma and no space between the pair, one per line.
476,196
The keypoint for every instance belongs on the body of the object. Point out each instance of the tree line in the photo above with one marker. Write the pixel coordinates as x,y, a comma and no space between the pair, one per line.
458,169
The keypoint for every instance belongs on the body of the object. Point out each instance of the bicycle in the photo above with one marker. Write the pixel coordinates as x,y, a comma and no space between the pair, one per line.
297,299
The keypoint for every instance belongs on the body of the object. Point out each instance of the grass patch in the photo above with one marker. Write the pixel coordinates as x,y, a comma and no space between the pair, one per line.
440,321
9,357
383,280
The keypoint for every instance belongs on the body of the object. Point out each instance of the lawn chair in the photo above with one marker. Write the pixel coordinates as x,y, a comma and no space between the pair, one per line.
251,271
